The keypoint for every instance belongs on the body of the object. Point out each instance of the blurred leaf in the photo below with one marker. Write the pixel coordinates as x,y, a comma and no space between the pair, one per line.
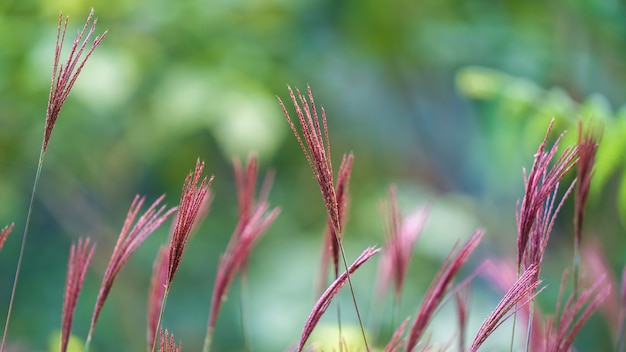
610,155
75,343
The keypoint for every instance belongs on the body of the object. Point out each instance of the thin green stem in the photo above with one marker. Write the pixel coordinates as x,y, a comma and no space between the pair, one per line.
576,268
621,341
156,330
243,298
88,340
339,326
514,315
19,260
356,306
207,340
531,310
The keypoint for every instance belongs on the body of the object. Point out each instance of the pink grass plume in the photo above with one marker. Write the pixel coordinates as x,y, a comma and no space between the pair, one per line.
255,217
324,301
193,207
401,235
561,331
439,286
79,260
331,248
522,292
64,75
61,83
396,342
167,343
130,238
4,234
193,200
540,184
314,142
587,148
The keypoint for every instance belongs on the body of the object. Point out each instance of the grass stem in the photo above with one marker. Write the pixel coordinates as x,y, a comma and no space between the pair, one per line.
19,260
356,306
158,326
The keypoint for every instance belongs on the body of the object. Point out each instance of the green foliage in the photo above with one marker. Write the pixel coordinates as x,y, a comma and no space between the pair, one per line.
518,99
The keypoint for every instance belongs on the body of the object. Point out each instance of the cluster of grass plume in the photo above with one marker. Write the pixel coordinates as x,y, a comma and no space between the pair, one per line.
520,280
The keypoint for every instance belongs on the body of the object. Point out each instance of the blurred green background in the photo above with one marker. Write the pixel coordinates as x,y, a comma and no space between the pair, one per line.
446,99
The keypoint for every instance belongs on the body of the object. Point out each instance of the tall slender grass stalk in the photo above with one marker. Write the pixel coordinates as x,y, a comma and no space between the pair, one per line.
194,204
62,81
22,246
315,145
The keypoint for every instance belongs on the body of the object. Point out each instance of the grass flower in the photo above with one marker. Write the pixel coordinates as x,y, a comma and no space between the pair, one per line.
396,342
439,286
587,148
80,258
4,234
63,79
64,76
193,206
562,331
522,292
324,301
596,265
462,300
167,342
254,219
332,239
401,235
316,148
541,229
503,274
130,238
540,185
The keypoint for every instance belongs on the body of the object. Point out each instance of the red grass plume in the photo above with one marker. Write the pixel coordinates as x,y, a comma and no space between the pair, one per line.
331,248
254,219
540,184
541,228
194,201
596,265
4,234
396,342
587,147
439,286
522,292
167,342
401,235
64,75
503,274
127,243
462,300
562,331
80,258
316,148
324,301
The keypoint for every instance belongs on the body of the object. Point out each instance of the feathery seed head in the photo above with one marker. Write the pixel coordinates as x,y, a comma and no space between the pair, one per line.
64,75
80,258
194,198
